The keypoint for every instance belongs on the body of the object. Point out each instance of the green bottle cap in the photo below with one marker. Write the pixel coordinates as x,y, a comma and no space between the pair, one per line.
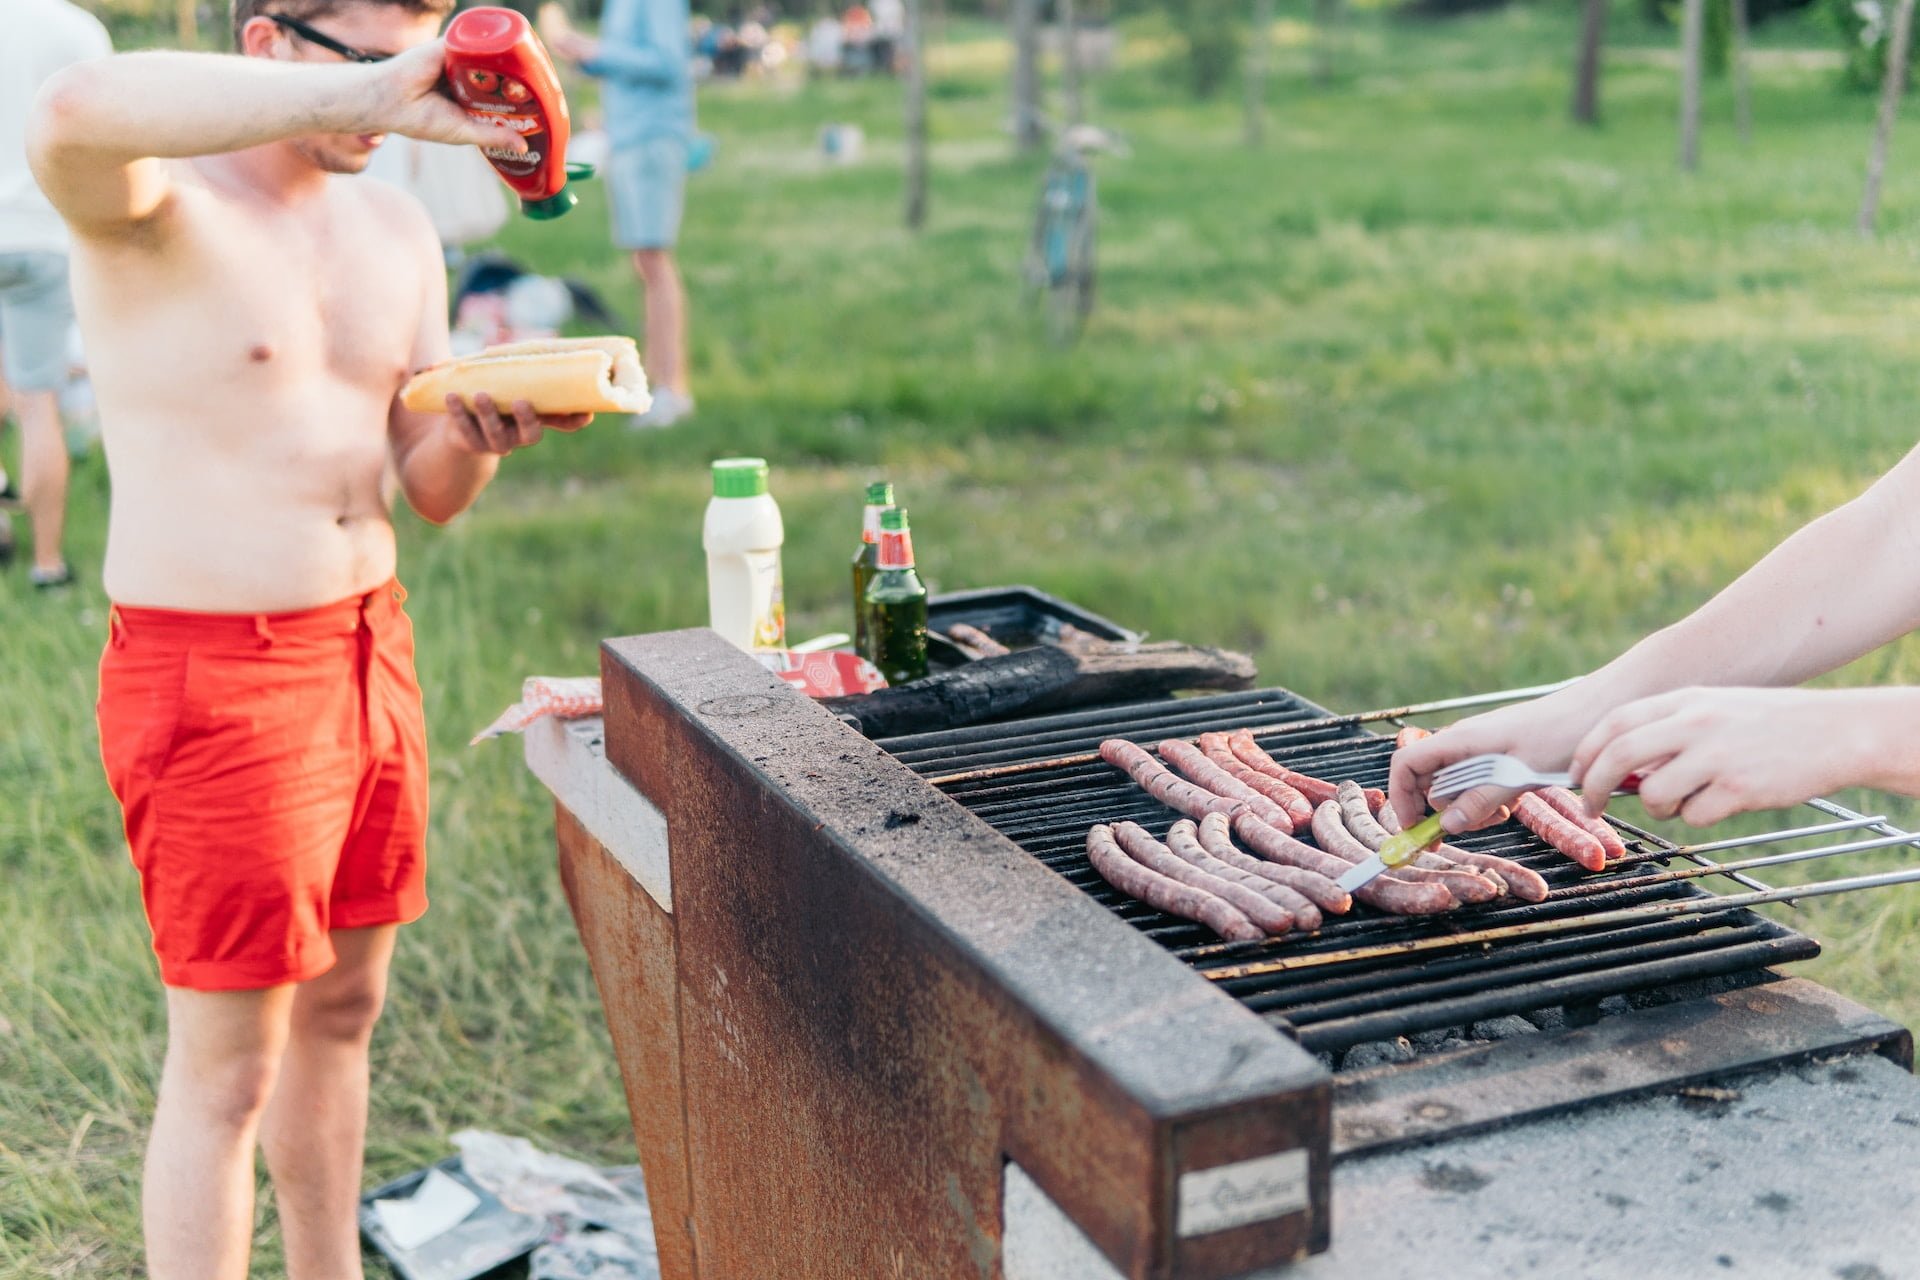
739,477
880,494
552,207
894,520
560,201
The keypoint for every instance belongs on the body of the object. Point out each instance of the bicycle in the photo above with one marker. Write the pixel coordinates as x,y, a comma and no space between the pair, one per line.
1062,257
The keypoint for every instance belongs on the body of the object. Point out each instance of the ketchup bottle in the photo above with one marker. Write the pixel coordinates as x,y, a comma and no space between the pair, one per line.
500,74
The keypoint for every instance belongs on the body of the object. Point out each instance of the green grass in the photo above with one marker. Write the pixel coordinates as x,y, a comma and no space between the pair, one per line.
1435,393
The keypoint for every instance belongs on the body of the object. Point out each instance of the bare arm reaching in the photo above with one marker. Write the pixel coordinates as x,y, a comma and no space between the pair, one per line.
1673,707
97,141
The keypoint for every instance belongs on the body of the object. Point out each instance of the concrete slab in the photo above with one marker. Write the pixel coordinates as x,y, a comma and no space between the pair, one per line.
1809,1172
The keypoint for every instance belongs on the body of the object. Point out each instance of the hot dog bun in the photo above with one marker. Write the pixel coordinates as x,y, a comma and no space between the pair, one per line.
555,375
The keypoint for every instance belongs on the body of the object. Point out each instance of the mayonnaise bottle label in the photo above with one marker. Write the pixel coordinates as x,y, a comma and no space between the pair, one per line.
769,600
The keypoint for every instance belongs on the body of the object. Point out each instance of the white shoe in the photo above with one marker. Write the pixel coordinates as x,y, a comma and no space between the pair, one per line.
668,407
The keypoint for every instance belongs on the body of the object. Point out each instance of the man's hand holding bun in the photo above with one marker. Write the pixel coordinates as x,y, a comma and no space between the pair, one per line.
484,429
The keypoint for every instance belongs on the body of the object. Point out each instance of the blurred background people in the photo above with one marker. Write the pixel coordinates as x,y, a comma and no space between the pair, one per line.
889,34
36,309
644,60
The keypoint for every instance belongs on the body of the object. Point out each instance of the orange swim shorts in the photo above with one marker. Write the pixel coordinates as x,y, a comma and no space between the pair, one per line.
272,772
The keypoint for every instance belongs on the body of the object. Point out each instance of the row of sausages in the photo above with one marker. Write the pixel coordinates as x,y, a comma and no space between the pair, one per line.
1234,791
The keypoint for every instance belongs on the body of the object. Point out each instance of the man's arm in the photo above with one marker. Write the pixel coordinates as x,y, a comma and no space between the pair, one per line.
1840,587
444,460
101,129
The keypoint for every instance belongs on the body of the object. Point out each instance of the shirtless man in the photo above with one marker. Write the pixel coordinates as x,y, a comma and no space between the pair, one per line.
249,315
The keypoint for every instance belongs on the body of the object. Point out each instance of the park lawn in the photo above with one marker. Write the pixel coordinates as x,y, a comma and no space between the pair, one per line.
1433,394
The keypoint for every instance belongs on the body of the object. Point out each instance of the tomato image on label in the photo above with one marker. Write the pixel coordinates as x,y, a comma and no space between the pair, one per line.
483,82
514,91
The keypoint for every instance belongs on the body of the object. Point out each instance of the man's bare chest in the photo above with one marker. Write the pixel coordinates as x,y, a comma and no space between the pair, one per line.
287,300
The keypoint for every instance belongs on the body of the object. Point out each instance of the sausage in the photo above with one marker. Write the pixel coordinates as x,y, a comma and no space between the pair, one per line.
1522,882
1193,762
1168,895
1216,837
1410,734
1183,838
1359,816
1140,845
1299,809
1392,891
1249,752
1547,822
1463,883
1277,846
1317,790
1575,811
975,641
1162,783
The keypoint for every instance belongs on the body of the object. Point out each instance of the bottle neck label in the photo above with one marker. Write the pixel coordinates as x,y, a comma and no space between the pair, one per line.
870,527
896,550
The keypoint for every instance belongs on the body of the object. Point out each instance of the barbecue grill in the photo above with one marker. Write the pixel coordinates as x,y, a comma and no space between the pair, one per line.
875,1011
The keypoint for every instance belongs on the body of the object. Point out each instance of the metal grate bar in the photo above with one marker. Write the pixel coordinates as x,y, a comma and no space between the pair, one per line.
1574,988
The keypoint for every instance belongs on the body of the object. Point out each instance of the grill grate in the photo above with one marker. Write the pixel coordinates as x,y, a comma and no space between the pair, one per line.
1045,806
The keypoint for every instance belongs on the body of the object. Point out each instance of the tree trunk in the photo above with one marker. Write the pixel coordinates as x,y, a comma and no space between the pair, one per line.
1325,14
916,88
1586,77
1070,60
188,21
1891,87
1257,46
1027,132
1692,28
1742,87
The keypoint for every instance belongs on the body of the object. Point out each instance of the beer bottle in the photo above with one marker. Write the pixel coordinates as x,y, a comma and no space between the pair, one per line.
879,498
897,604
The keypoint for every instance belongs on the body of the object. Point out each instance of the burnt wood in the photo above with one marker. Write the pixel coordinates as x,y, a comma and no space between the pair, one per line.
1044,678
882,1000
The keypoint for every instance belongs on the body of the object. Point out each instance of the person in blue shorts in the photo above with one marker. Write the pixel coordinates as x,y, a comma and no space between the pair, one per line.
643,58
36,308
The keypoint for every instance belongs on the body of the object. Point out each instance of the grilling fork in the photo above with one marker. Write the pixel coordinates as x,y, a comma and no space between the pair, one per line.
1492,770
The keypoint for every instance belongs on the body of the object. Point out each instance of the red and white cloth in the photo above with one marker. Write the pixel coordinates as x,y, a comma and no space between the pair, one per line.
818,675
568,697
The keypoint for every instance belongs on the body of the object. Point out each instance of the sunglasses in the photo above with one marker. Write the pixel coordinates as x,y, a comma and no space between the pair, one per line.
323,40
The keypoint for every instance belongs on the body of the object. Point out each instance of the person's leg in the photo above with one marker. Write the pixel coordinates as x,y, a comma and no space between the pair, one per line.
43,476
665,301
38,314
648,185
315,1128
223,1050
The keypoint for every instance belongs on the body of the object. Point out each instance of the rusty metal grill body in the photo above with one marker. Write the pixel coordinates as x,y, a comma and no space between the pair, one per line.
856,1002
1047,812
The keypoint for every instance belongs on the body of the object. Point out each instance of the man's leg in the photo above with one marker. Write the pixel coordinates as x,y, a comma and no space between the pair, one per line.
666,307
315,1131
43,475
223,1049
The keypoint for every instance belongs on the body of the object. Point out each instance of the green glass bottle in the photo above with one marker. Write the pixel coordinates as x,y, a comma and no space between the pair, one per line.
897,604
879,498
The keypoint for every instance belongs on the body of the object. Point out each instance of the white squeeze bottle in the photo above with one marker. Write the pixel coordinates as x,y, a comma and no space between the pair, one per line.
742,536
